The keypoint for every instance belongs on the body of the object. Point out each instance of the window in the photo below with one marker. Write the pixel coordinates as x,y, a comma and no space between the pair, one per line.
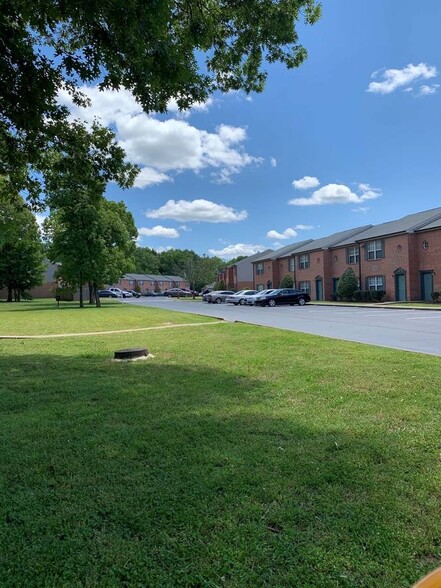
353,254
375,250
259,269
141,282
160,283
304,261
131,282
375,283
259,287
291,265
305,287
425,244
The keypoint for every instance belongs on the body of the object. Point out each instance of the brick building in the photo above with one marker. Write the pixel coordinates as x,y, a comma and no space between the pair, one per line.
239,275
402,257
150,282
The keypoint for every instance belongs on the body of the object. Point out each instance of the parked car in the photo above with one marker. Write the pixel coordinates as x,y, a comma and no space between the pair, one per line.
240,297
149,293
117,291
127,294
218,296
107,294
251,300
177,292
135,293
289,296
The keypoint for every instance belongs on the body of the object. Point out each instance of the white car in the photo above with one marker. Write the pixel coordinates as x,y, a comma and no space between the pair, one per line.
240,297
120,293
252,299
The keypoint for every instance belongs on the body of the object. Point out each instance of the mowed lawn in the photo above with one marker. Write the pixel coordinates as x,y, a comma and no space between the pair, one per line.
237,456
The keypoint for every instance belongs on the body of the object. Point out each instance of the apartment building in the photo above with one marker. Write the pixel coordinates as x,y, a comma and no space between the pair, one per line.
402,257
150,282
239,275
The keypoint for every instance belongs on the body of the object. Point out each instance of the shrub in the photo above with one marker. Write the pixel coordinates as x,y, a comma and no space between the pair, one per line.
435,296
347,285
287,281
369,295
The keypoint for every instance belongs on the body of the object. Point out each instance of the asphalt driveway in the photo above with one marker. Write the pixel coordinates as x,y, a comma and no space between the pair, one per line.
406,329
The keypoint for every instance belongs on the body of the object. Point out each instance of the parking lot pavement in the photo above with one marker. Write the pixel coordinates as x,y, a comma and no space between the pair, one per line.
410,330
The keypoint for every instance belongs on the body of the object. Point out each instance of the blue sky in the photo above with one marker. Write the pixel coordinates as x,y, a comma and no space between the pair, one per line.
352,137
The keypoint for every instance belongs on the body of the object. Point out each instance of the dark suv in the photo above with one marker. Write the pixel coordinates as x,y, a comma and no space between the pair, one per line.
289,296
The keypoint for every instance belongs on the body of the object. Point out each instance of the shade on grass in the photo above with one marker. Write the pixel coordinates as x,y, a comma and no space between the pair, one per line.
237,456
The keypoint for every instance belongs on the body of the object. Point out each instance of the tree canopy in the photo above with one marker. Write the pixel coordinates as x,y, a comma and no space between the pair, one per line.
21,253
178,49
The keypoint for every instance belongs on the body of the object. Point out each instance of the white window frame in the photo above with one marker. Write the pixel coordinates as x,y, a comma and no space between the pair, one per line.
291,264
353,254
304,261
375,283
260,268
305,286
375,250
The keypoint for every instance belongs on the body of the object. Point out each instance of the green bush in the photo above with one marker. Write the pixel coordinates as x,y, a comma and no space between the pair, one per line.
287,281
369,295
347,285
435,296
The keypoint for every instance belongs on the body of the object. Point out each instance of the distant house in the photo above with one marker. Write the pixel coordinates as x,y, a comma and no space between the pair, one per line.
46,290
239,275
150,282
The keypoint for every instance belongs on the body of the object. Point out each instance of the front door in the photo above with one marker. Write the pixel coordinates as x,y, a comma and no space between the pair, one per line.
400,287
426,285
319,289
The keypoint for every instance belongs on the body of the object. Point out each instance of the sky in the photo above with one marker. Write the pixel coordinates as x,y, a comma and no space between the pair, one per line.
350,138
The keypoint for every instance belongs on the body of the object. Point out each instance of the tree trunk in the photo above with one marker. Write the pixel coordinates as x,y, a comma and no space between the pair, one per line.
81,297
9,294
97,298
92,293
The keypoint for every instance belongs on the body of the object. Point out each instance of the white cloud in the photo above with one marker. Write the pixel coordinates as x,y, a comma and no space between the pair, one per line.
149,177
362,209
273,162
397,78
162,249
287,234
172,106
164,146
235,250
337,194
158,231
185,228
306,182
303,227
427,90
197,210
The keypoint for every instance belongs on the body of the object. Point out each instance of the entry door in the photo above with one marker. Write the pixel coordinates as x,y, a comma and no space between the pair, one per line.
319,289
400,287
426,285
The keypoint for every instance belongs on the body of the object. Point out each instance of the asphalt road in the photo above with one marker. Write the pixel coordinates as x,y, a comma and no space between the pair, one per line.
406,329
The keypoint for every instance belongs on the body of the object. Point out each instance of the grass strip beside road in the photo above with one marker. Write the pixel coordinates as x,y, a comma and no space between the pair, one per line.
44,317
240,456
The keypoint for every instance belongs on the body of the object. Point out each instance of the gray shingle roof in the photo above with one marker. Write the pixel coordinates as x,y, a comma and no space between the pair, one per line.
331,240
153,277
406,224
252,258
282,252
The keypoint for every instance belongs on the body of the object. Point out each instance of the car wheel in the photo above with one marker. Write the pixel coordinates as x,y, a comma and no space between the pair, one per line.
236,303
302,302
241,301
218,300
272,303
169,295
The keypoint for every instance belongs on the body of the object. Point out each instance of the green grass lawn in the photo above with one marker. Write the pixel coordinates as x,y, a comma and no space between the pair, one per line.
43,317
237,456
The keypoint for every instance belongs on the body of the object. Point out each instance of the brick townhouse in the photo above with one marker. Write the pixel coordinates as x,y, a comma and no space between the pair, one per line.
150,282
239,275
402,257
